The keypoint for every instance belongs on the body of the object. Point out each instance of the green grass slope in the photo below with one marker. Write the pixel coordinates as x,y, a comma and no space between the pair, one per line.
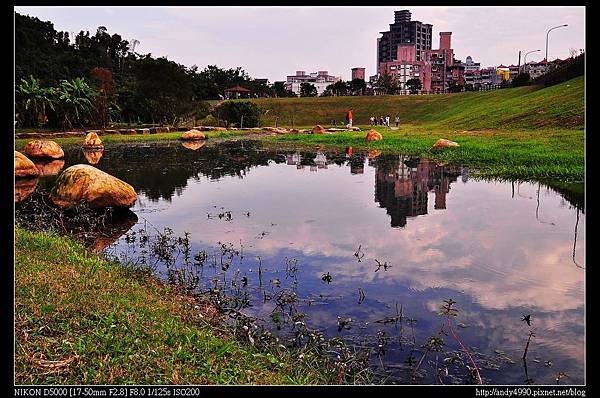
531,107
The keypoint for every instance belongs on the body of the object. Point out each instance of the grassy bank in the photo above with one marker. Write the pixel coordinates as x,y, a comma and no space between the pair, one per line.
525,133
540,154
80,319
531,107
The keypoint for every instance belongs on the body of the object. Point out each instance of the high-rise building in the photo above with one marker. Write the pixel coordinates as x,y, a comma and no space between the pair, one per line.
403,31
441,61
358,73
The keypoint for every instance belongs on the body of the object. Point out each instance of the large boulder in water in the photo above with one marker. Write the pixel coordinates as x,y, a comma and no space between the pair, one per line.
24,167
443,143
43,149
193,135
92,141
88,184
373,135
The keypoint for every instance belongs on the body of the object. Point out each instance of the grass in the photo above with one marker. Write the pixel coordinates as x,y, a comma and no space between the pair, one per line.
80,319
530,107
540,154
526,133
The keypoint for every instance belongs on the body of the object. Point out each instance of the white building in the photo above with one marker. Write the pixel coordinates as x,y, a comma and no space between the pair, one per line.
320,80
471,66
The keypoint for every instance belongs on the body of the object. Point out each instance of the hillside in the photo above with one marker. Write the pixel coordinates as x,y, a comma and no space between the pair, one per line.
531,107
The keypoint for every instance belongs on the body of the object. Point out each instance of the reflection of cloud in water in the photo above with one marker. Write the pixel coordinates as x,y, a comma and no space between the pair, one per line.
484,243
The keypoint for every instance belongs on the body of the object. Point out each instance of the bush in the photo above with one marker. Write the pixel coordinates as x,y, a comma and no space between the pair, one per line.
233,111
522,79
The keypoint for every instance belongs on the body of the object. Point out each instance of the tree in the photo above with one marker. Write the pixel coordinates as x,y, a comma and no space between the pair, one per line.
455,88
414,85
74,100
33,100
280,91
386,84
338,88
308,90
522,79
104,103
234,112
163,89
357,86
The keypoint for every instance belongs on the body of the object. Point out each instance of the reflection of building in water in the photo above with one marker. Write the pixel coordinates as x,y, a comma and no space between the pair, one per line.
357,165
295,159
321,160
402,186
464,172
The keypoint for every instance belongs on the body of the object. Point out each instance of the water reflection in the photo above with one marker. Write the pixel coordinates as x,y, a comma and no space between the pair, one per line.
50,168
93,156
24,187
441,233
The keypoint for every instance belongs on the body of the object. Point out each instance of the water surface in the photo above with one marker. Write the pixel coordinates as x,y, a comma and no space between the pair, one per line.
404,232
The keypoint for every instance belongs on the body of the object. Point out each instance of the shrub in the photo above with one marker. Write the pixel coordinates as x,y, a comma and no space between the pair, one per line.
233,111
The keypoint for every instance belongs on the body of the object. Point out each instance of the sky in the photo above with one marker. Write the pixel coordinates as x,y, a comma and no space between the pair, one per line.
273,42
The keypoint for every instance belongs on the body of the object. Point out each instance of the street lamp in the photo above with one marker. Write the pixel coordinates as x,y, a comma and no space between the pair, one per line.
556,27
525,57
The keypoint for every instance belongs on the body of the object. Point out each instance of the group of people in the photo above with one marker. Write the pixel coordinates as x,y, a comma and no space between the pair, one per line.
384,121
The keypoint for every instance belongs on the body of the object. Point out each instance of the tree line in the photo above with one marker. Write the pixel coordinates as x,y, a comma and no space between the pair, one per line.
66,80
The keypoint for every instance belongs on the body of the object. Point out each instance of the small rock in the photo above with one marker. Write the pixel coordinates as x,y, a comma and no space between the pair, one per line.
92,141
318,129
193,135
373,135
443,143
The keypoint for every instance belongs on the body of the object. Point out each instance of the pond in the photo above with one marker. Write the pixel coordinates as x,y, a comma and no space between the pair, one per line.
370,245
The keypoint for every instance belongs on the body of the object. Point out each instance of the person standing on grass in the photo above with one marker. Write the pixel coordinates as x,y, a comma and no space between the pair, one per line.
349,118
397,120
387,121
381,122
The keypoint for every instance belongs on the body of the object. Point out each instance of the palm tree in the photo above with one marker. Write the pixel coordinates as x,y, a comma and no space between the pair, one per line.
74,97
34,99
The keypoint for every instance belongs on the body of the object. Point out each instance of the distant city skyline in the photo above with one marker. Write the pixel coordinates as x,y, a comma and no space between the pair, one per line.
273,42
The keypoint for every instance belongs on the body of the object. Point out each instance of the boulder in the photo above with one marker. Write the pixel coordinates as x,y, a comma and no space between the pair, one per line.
193,145
443,143
92,141
88,184
93,156
142,131
43,149
24,187
373,135
51,168
318,129
127,131
24,167
110,132
193,135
